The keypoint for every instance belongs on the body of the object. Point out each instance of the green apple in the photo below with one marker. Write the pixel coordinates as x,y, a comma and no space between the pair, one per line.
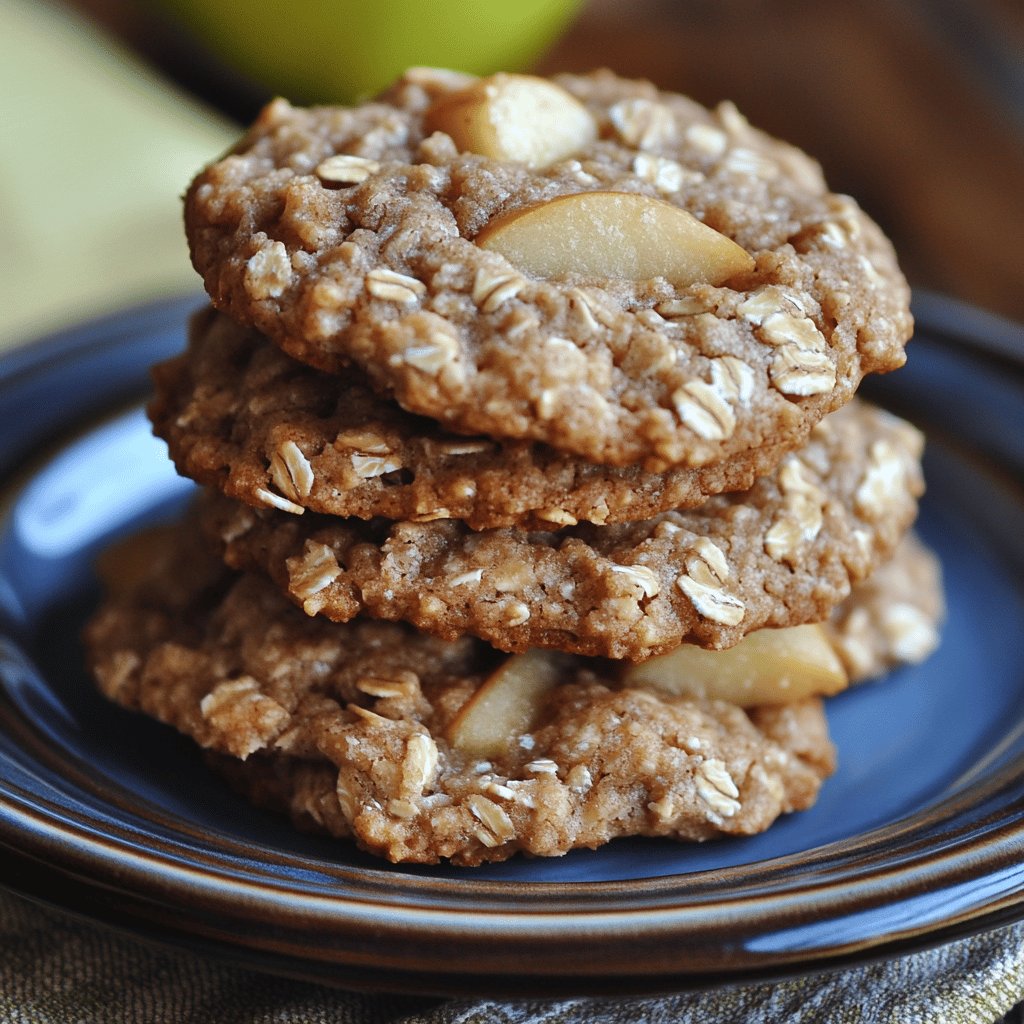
339,51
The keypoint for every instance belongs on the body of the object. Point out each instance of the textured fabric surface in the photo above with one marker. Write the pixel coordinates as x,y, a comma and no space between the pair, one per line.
55,969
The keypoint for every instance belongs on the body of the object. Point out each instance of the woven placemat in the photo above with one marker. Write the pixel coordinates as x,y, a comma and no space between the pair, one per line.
57,969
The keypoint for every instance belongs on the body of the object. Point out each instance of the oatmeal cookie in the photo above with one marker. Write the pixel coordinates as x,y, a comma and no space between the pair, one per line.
239,414
781,553
895,615
368,235
353,727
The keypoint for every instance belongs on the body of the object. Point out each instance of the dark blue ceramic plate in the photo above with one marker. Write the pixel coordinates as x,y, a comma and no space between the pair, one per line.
918,838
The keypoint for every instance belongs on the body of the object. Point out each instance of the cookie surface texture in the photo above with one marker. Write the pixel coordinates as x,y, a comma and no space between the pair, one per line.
784,552
349,727
367,236
240,415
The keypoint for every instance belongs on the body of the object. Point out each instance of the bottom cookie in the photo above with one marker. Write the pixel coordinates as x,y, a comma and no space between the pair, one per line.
360,729
606,764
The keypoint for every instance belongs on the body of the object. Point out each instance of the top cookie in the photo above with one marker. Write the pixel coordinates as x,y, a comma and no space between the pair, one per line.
491,253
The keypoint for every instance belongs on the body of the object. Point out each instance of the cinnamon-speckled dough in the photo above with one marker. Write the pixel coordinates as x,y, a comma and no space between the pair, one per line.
345,725
385,273
239,414
784,552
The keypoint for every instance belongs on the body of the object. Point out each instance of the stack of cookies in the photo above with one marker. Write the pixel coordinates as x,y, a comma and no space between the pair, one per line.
538,507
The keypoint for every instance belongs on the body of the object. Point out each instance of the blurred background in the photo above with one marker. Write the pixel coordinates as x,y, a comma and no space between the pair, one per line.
915,107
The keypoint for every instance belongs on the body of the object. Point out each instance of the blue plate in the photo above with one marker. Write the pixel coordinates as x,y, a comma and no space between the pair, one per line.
917,838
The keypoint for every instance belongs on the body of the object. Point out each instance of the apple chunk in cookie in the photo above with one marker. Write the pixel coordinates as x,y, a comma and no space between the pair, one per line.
769,666
507,703
514,117
614,235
